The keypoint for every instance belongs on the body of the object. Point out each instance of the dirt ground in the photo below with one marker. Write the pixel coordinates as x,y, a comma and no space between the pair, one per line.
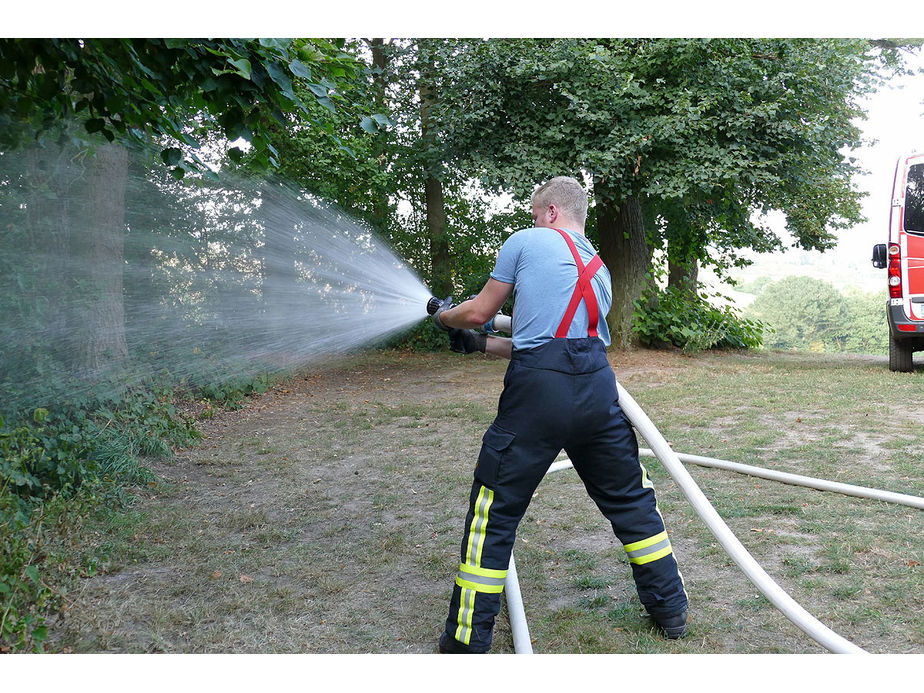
325,517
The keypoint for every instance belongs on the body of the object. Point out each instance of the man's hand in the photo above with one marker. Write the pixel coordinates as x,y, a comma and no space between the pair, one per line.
467,341
446,305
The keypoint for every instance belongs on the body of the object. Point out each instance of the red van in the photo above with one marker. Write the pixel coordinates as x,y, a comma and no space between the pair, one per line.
904,257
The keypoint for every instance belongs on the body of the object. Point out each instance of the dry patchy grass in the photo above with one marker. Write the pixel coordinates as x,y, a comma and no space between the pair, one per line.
325,517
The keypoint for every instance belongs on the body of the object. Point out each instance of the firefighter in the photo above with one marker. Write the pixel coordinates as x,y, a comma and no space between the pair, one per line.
559,394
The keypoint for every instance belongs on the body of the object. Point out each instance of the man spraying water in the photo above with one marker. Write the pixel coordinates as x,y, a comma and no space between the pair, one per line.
559,393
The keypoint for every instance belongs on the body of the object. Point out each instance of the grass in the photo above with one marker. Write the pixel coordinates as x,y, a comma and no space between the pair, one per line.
342,505
820,417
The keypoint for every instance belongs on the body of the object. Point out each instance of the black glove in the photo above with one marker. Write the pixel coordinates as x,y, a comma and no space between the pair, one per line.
444,306
467,341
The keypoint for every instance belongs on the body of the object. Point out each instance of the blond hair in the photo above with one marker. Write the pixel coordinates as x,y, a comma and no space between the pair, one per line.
566,193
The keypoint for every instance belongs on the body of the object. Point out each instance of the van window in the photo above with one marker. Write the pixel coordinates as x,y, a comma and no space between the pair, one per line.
914,200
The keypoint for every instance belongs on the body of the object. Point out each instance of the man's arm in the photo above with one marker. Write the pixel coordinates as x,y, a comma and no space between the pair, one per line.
479,310
499,346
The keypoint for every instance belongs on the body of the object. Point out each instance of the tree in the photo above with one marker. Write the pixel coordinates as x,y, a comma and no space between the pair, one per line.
682,140
869,331
401,180
803,313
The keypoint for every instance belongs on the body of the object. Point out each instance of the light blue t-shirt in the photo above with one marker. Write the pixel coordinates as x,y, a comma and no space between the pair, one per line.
540,266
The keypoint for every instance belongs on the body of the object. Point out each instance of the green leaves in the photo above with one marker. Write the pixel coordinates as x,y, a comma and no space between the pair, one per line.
299,69
143,89
692,323
171,156
278,74
281,45
319,90
375,123
95,125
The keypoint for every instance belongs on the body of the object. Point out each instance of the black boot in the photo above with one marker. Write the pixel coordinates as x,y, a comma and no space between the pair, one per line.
674,627
449,645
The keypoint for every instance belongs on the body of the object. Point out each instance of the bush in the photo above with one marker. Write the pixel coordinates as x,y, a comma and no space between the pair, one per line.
80,454
692,323
24,596
231,393
421,338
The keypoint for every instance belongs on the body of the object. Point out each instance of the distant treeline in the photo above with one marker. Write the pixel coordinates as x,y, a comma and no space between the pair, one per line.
809,314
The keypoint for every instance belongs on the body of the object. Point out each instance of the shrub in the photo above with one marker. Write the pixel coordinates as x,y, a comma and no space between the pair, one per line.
231,392
692,323
23,594
85,452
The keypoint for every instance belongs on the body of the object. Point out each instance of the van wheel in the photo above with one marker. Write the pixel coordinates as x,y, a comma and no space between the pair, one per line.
900,356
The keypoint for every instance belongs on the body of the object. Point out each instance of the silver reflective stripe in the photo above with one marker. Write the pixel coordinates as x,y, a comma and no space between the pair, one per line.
481,579
479,524
638,553
466,606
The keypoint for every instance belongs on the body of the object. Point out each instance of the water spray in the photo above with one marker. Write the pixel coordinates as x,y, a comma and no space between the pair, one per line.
206,284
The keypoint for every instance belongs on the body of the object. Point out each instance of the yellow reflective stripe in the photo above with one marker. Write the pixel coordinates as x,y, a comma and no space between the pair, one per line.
646,482
648,550
481,579
479,587
472,566
636,545
466,610
479,526
484,572
648,558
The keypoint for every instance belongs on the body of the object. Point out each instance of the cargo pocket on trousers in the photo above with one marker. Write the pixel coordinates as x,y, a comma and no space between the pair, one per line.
493,446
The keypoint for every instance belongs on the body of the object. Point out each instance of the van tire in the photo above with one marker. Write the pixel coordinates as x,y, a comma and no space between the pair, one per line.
900,356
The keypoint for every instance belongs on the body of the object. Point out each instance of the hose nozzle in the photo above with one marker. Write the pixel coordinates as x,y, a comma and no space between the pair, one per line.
433,305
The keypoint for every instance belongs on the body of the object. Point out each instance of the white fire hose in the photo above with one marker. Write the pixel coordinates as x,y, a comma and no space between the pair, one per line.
799,480
757,575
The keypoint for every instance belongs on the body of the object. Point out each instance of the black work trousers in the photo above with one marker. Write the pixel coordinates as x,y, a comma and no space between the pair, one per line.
559,396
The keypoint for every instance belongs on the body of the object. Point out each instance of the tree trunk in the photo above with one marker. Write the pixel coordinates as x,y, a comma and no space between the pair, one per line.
381,209
625,252
98,327
682,270
48,208
279,270
440,259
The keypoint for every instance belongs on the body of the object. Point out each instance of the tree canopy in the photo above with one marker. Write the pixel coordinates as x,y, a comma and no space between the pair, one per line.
683,140
726,126
139,90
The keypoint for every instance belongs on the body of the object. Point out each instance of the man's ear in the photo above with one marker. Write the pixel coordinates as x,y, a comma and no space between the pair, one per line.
553,212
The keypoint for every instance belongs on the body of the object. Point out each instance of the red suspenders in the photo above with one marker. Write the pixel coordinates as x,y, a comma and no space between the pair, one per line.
583,289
